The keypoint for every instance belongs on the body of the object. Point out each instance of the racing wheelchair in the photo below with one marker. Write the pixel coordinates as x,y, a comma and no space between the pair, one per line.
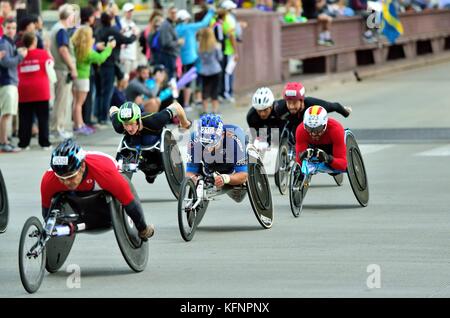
4,206
162,155
46,246
301,175
286,161
194,198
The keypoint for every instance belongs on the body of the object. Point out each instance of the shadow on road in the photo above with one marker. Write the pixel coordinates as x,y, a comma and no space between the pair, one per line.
157,200
229,228
96,272
331,206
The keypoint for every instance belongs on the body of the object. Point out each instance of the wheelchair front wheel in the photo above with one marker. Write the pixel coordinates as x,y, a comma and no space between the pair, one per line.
297,190
4,206
188,217
282,168
32,256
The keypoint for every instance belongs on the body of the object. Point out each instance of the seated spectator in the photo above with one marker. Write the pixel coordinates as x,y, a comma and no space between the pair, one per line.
137,90
119,97
316,9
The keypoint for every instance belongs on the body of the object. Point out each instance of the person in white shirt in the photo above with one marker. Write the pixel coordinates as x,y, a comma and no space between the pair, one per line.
128,53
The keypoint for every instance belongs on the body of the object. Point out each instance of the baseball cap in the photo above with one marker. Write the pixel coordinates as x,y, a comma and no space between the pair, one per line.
128,7
228,5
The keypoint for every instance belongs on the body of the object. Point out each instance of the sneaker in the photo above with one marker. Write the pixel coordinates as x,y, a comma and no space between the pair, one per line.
47,148
230,99
84,130
24,148
65,134
321,42
188,108
147,233
9,148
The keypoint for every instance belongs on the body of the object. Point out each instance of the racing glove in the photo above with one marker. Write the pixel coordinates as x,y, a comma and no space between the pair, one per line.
322,156
307,154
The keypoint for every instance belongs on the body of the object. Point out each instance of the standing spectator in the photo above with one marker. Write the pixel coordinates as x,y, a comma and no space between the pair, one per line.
34,92
128,54
28,24
170,43
188,51
153,40
230,50
210,56
6,12
108,69
145,34
66,71
83,42
9,97
315,9
42,34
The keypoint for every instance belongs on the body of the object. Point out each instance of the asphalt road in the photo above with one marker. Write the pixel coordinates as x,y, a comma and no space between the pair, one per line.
402,237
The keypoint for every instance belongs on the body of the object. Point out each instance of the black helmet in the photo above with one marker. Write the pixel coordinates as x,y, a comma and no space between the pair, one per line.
67,157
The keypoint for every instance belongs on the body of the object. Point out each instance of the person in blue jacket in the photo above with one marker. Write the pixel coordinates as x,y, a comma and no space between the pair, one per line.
189,50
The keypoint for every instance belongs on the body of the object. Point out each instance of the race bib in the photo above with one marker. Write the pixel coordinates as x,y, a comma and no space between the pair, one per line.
60,160
125,113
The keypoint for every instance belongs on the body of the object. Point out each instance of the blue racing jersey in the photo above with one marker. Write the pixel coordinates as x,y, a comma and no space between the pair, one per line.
229,157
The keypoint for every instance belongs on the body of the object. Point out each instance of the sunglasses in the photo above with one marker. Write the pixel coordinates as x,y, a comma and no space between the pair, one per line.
67,177
315,130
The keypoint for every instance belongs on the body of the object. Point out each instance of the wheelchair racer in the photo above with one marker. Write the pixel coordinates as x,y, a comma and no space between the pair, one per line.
266,112
73,169
221,150
321,138
143,128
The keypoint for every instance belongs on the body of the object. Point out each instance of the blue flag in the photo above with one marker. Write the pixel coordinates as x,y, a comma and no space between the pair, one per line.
390,23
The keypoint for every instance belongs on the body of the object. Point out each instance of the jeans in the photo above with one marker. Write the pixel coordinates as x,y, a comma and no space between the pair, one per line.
107,77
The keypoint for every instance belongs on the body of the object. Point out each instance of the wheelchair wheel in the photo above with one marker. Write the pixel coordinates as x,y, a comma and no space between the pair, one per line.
339,179
356,170
173,163
4,206
134,250
282,174
259,193
188,218
31,265
297,190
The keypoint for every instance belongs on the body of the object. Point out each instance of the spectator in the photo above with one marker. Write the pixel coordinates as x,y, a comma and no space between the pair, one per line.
153,40
10,58
315,9
83,42
28,24
66,71
170,43
210,56
360,8
188,51
264,5
119,97
42,34
230,50
137,90
128,54
6,12
34,92
108,68
145,34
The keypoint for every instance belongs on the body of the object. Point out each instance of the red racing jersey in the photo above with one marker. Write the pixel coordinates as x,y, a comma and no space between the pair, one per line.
333,136
102,174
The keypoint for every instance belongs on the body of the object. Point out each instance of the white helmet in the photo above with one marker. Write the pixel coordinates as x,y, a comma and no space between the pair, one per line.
263,98
315,119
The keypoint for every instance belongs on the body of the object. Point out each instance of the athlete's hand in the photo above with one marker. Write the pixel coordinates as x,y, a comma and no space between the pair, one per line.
307,154
322,156
221,179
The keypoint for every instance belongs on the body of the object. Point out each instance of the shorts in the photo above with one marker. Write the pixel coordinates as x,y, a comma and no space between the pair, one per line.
9,100
210,88
81,85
